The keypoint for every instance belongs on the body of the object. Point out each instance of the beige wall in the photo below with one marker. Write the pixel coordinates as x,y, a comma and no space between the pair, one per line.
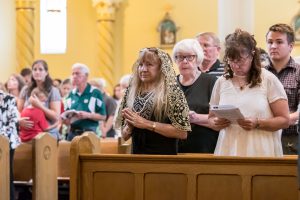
136,27
7,39
81,37
269,12
140,25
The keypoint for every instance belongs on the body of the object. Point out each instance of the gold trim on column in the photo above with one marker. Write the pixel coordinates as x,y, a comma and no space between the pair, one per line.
105,39
25,32
24,4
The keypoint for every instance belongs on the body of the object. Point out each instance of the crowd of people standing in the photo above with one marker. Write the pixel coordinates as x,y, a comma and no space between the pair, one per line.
165,113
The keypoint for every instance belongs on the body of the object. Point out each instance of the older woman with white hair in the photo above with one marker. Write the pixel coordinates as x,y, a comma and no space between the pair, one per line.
197,88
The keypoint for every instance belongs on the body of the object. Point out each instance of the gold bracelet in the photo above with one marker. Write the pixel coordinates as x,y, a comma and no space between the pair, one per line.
153,126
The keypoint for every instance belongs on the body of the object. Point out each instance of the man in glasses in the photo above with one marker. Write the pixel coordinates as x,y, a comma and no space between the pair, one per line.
210,44
280,42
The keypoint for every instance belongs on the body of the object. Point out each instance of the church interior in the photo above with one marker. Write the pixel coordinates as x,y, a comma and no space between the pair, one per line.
107,36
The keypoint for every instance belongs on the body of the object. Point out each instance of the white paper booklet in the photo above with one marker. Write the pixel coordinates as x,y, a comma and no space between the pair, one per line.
229,112
70,114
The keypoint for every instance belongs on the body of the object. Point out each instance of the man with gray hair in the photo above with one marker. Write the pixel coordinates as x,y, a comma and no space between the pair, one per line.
211,46
86,101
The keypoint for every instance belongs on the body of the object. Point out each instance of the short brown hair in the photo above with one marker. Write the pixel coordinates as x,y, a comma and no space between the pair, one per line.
283,28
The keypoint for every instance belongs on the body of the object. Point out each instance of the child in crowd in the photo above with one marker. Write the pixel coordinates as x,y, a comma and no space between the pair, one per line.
37,116
64,89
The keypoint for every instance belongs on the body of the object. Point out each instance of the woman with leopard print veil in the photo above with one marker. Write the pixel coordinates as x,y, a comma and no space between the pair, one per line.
153,111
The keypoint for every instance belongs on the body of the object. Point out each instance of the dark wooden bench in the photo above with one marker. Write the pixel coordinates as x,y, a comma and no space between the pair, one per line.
183,177
4,167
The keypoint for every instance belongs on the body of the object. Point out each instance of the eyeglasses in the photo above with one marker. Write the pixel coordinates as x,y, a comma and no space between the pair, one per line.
189,58
240,61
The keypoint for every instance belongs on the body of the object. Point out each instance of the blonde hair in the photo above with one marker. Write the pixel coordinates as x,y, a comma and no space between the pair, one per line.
160,102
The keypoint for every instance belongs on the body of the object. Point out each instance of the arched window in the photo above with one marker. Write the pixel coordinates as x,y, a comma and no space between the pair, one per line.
53,26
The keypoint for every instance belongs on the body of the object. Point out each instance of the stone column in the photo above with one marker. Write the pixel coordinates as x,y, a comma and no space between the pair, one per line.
105,39
25,32
234,14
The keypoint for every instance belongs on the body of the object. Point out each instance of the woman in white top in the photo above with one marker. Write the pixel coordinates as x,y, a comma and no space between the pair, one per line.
257,93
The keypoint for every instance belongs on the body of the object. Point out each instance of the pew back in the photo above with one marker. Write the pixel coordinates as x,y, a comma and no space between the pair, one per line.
23,162
64,159
38,161
109,146
190,177
64,155
4,167
45,167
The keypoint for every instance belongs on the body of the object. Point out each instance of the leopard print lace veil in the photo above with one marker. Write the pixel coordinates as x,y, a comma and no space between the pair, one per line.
178,107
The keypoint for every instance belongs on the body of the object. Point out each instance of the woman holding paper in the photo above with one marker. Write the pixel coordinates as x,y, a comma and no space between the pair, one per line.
257,93
197,88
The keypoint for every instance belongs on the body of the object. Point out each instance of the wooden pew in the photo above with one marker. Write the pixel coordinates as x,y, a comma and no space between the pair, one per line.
64,155
182,177
38,161
64,163
109,146
115,146
24,160
4,167
124,147
106,146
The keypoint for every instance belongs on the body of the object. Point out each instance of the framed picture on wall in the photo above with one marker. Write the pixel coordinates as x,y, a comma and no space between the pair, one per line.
167,32
296,27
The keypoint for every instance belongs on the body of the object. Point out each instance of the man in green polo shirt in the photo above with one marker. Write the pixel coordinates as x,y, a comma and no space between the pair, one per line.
86,101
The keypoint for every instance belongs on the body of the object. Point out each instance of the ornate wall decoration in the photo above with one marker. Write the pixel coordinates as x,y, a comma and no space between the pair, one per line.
167,32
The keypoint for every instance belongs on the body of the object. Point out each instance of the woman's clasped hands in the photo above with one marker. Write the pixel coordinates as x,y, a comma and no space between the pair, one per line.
133,119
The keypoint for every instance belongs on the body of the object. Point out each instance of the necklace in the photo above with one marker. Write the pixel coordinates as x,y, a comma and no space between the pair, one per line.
241,83
143,103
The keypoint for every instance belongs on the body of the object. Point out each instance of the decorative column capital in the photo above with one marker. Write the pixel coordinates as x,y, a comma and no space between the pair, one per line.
25,4
106,9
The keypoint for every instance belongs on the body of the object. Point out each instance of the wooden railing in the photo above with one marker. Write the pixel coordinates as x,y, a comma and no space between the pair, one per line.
191,177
